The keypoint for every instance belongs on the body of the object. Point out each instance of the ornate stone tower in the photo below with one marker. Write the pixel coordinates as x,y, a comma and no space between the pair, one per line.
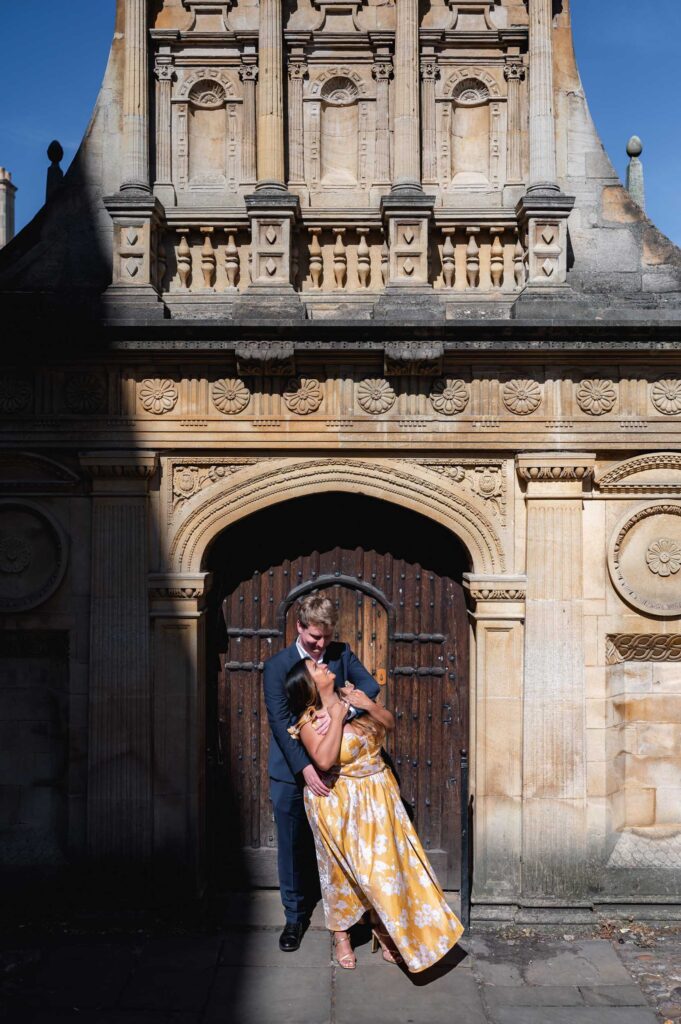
7,194
366,249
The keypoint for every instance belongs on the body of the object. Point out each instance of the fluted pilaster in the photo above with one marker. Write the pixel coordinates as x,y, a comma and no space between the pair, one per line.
249,76
543,172
514,72
163,185
271,173
297,71
135,169
407,159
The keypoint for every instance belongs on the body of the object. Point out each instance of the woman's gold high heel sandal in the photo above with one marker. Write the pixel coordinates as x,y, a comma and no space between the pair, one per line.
379,937
348,961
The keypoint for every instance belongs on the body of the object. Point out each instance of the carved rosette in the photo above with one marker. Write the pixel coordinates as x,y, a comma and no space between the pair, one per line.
449,397
303,395
666,396
521,397
230,395
663,557
376,396
158,396
596,397
644,558
15,394
85,393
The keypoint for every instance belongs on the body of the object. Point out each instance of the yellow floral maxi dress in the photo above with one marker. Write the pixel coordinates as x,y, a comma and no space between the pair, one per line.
370,856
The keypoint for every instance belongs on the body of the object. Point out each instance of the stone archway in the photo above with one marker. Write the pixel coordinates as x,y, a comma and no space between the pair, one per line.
206,495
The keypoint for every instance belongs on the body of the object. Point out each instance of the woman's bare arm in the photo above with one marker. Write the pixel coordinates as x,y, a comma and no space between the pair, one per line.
324,750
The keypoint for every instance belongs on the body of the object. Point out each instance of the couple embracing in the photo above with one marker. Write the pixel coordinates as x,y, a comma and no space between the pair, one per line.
336,801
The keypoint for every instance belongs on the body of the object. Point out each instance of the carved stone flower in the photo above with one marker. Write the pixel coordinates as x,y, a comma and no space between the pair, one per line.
666,396
521,397
375,395
596,397
230,395
15,394
303,395
158,396
85,393
664,557
449,396
15,555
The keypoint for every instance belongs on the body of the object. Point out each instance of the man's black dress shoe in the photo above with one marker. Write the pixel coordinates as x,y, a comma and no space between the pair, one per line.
291,937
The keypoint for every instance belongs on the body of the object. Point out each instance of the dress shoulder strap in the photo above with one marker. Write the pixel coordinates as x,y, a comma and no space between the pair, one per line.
309,716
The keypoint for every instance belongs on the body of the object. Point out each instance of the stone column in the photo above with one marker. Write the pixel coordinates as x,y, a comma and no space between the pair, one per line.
514,73
135,169
382,72
248,73
430,73
543,173
178,614
407,158
554,734
271,174
163,185
8,192
120,782
297,70
498,613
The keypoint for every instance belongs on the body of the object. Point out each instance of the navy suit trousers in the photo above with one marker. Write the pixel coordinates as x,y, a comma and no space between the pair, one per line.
298,874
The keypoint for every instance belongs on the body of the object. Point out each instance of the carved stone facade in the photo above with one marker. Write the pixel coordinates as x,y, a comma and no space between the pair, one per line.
498,354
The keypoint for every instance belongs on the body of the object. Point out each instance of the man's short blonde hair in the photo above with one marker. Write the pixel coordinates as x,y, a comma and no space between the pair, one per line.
316,610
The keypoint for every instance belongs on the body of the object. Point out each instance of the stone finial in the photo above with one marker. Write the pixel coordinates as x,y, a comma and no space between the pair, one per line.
7,193
55,175
635,182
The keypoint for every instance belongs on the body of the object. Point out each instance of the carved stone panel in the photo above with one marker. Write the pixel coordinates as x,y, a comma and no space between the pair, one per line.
644,558
33,553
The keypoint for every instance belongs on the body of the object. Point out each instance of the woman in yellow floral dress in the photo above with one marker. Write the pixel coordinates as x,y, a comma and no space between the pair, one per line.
369,856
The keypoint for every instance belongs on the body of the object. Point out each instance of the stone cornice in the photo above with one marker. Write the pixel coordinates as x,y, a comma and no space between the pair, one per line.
119,465
556,467
496,597
179,586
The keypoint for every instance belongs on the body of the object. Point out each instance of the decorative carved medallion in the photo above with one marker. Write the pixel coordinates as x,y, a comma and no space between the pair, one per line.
663,557
189,479
666,396
482,479
15,394
641,647
449,396
303,395
596,397
85,393
644,558
230,395
158,396
521,397
376,396
32,555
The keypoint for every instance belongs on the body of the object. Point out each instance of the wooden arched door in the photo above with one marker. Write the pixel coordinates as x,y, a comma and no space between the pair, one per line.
401,608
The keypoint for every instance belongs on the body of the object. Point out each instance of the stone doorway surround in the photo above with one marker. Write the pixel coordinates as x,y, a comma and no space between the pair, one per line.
178,606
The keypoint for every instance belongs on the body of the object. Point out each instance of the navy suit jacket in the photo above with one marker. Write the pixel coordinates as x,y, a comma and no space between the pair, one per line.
288,757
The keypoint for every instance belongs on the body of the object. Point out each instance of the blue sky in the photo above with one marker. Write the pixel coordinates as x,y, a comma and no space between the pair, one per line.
627,52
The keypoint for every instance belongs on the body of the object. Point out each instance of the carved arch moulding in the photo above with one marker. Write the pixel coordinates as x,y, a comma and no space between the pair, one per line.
248,488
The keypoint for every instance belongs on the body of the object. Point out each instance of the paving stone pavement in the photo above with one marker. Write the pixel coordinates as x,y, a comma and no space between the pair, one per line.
237,975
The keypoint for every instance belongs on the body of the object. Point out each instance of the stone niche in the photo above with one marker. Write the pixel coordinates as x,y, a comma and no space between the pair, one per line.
472,131
206,135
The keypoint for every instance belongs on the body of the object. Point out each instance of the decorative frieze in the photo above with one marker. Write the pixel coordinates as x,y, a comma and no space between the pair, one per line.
656,647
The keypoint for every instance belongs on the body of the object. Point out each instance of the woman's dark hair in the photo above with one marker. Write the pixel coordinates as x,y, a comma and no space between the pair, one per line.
301,692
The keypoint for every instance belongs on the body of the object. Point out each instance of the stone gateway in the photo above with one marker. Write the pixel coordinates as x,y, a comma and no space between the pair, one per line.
362,266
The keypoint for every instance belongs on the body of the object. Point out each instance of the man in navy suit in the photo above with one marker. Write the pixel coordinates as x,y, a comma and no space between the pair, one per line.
290,768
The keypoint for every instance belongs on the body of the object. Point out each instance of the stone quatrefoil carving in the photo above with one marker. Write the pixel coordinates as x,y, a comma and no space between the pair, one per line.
230,395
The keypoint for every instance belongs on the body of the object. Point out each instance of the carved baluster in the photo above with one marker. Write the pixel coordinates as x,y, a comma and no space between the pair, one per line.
184,259
385,262
497,258
449,257
162,261
340,258
316,259
295,261
231,258
363,257
208,259
473,258
519,262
